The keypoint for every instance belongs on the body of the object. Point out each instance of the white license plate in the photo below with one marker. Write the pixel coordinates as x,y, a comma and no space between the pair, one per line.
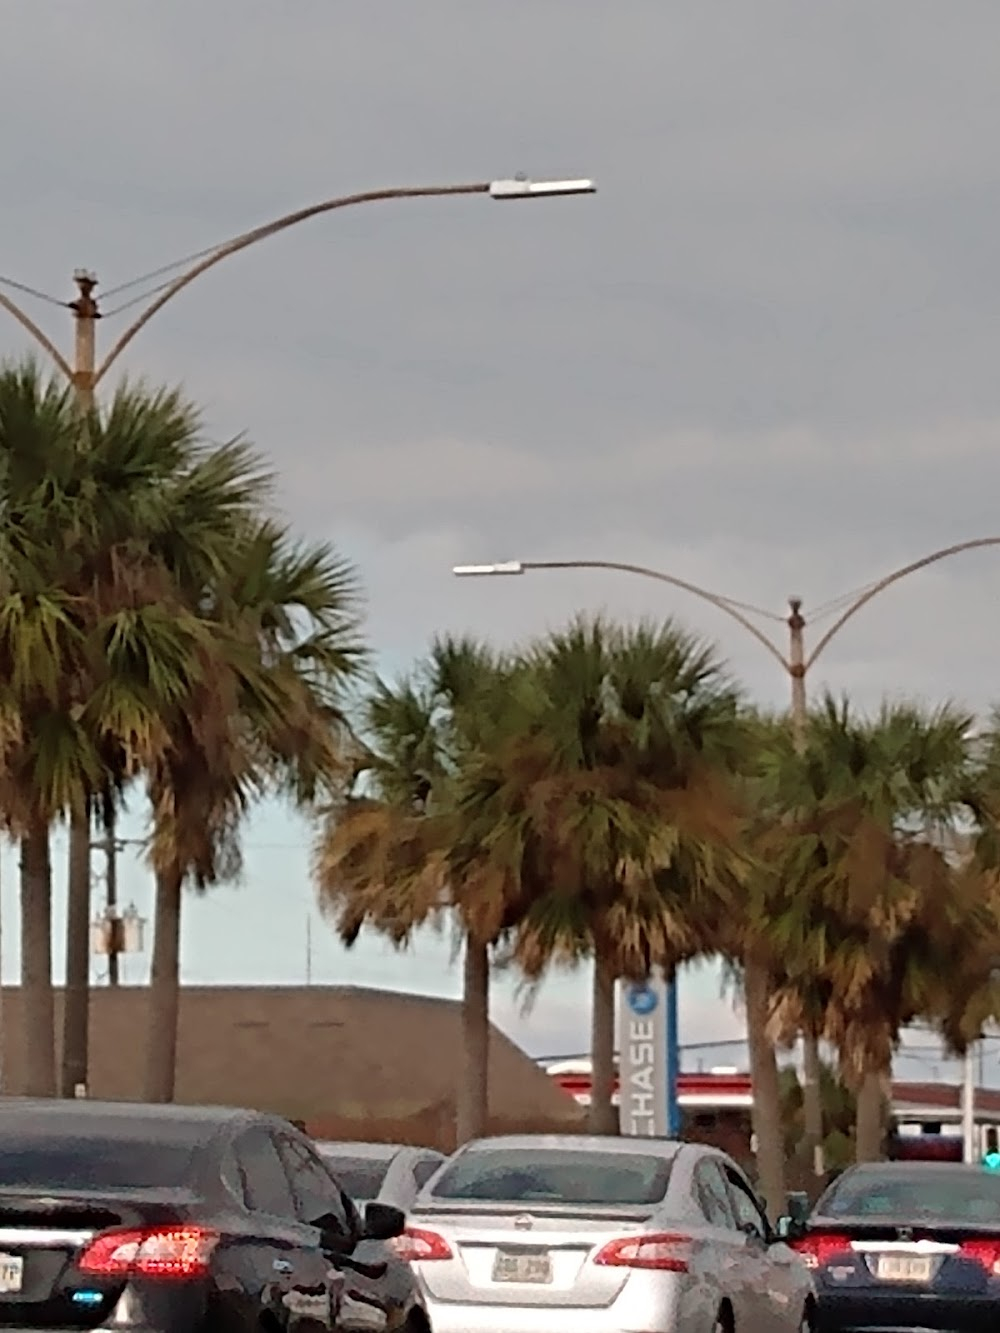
533,1268
11,1273
903,1268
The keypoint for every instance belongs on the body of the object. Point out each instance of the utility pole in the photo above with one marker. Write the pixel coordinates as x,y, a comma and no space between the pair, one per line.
85,316
969,1153
812,1066
110,847
797,671
73,1074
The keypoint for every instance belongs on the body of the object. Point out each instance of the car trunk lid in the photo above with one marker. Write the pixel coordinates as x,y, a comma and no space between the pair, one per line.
42,1236
525,1255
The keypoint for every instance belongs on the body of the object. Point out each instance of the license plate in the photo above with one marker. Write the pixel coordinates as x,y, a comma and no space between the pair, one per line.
903,1268
533,1268
11,1273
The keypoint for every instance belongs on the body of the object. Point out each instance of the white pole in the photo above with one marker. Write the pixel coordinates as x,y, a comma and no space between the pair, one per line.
969,1107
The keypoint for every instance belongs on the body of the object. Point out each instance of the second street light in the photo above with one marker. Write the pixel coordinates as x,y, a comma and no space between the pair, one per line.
796,662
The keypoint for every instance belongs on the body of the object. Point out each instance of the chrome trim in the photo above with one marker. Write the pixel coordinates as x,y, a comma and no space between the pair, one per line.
44,1238
904,1247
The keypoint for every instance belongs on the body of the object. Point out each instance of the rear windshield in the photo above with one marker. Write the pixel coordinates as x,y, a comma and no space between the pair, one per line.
360,1177
93,1164
554,1175
966,1195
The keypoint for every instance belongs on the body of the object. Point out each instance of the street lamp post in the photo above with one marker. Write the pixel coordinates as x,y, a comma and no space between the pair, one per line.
797,664
85,374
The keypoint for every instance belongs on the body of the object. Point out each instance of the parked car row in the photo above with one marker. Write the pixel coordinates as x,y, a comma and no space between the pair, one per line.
164,1219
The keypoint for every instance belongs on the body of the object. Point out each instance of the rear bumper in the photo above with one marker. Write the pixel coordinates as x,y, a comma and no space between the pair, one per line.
448,1318
897,1313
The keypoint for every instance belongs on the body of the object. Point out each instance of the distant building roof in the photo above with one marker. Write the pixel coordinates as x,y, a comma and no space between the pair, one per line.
349,1061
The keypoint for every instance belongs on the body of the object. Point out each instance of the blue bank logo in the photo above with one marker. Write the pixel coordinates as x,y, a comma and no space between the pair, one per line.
641,999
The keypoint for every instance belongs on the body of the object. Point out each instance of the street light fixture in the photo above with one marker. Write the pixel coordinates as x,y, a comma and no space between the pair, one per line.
522,188
477,571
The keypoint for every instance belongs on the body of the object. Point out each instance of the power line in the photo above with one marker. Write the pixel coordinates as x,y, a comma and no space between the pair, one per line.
158,273
33,291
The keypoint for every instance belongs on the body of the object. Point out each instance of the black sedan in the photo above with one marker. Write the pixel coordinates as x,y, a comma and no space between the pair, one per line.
168,1219
906,1245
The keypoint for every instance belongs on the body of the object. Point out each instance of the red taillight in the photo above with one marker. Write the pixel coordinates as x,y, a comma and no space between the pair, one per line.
663,1250
819,1249
417,1246
164,1252
985,1250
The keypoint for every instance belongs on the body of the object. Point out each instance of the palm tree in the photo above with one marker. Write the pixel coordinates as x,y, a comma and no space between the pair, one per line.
870,903
608,813
79,504
158,506
383,857
265,713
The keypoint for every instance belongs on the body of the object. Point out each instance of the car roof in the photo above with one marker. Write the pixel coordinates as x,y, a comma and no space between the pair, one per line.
368,1151
910,1168
82,1118
596,1143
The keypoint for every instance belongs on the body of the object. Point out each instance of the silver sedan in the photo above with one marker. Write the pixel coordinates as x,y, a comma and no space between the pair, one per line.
539,1234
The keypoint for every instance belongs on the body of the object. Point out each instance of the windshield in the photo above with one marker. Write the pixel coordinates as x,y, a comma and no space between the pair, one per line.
965,1195
360,1177
554,1175
93,1164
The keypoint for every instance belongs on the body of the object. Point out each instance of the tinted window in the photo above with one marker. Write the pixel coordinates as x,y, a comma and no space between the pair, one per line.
745,1206
965,1194
93,1163
315,1193
265,1183
360,1177
554,1175
710,1187
424,1169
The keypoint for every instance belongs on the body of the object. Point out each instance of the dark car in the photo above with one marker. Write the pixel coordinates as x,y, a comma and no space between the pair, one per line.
169,1219
906,1245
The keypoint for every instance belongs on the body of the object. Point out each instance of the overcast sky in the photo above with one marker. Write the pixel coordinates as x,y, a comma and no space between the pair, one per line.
763,358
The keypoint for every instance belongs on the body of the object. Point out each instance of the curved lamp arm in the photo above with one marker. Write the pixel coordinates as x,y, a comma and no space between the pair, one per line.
271,229
519,566
889,580
47,346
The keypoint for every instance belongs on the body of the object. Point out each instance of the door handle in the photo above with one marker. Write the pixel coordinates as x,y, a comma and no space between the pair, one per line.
282,1266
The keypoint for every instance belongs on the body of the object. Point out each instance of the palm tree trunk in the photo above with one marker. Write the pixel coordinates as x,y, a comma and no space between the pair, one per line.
766,1114
812,1101
37,1013
472,1101
869,1124
76,998
164,989
602,1117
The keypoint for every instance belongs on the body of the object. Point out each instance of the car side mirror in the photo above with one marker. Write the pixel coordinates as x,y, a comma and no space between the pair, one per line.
331,1228
383,1222
789,1228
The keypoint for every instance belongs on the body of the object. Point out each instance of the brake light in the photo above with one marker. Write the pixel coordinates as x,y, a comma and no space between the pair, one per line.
418,1246
818,1249
664,1251
985,1251
160,1252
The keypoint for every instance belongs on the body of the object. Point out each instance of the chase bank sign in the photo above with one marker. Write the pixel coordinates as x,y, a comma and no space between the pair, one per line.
642,1069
